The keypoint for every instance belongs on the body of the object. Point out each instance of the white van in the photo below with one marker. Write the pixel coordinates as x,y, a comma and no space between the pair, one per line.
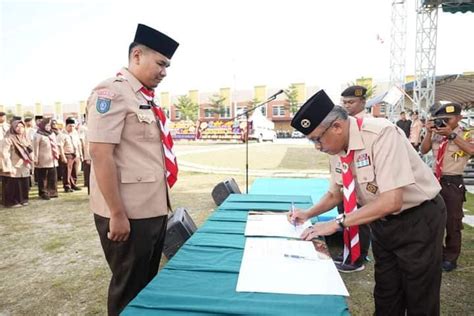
261,128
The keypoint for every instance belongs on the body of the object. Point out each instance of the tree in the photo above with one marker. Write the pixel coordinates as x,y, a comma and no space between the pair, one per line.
292,99
187,108
217,104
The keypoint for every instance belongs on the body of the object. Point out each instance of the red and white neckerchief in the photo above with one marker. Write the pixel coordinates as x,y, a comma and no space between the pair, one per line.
440,157
351,234
171,163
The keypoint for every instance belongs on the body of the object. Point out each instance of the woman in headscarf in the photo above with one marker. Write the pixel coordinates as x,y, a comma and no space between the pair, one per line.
18,159
46,159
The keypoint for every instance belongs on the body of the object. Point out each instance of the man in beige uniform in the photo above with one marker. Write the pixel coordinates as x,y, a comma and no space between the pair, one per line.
459,147
399,198
353,99
128,188
71,154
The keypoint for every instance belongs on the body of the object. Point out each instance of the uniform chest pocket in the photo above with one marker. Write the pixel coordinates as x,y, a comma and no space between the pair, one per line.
147,127
365,174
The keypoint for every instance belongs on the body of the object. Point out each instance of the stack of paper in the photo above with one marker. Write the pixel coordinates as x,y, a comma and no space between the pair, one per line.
273,225
277,265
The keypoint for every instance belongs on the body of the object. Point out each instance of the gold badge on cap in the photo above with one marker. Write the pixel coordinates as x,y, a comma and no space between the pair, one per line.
358,92
305,123
449,109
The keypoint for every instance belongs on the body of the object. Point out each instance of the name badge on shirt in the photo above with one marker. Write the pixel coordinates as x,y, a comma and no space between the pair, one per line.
338,170
363,160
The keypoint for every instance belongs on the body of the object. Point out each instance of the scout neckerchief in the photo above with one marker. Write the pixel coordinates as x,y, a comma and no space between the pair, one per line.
440,157
166,139
351,234
171,163
49,134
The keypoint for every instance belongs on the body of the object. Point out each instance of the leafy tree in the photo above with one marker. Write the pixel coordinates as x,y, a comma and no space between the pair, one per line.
217,104
187,108
291,99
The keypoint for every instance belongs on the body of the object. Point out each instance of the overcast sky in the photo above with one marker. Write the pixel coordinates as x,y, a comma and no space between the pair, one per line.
58,50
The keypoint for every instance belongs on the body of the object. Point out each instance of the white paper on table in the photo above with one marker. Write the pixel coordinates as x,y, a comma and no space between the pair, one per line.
276,265
273,225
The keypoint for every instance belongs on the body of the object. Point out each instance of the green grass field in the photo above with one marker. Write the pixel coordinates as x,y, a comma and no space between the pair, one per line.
52,263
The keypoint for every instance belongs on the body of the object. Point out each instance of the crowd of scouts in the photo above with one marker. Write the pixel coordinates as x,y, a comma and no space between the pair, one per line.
41,152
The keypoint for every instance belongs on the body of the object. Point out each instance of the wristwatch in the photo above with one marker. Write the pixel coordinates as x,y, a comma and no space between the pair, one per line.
340,220
452,136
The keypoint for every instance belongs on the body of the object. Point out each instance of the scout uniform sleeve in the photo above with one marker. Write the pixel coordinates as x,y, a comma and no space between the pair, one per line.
334,186
391,159
106,116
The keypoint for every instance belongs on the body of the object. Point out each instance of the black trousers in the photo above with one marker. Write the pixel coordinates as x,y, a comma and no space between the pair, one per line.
86,167
453,192
16,190
134,263
364,236
408,252
47,181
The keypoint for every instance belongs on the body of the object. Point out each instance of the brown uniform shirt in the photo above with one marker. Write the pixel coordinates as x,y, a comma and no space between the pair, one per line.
384,160
70,143
363,114
43,152
455,160
415,131
138,153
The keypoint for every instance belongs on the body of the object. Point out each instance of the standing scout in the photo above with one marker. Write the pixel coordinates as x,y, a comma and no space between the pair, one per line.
452,147
353,99
132,166
379,170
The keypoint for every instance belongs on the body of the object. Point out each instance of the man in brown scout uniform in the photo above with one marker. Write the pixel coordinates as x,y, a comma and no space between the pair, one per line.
452,147
399,198
353,99
128,185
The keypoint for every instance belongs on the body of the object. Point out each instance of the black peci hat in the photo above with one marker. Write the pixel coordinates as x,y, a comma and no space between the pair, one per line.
70,120
312,113
155,40
354,91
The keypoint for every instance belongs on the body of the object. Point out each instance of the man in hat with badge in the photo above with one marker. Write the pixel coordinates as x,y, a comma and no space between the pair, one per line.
133,166
353,99
400,202
452,146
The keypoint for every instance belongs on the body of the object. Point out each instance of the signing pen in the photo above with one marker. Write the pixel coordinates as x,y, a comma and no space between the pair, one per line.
298,257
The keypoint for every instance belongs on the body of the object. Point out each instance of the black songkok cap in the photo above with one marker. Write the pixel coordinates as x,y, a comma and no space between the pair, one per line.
70,120
16,118
312,113
2,114
156,40
38,117
28,119
354,91
448,109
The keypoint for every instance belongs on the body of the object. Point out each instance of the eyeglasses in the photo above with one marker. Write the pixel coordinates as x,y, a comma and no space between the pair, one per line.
317,140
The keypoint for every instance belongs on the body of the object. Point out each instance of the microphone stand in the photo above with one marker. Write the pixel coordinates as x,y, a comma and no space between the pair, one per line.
246,114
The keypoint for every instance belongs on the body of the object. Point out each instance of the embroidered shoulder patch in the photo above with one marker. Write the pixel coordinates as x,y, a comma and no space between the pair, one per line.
103,105
105,93
372,188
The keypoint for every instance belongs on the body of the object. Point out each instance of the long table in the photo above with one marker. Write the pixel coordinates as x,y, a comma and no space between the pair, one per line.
201,278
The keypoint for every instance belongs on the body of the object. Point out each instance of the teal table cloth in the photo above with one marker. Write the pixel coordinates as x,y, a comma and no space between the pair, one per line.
315,188
202,277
